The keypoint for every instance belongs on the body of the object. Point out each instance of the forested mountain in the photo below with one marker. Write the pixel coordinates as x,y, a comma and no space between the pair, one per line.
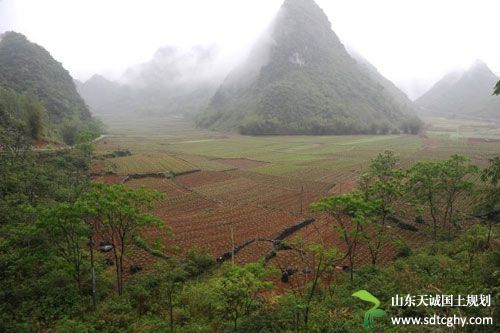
301,80
28,68
463,94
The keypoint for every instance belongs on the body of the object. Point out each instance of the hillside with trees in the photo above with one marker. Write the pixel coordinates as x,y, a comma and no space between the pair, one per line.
28,70
22,118
26,67
299,79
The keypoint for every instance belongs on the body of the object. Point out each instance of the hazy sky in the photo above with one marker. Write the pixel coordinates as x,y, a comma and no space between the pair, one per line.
412,42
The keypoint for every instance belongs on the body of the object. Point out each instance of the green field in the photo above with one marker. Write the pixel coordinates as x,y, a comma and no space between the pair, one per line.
148,163
172,144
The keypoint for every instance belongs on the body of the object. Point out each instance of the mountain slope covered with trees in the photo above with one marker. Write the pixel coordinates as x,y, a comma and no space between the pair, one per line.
55,109
301,80
26,67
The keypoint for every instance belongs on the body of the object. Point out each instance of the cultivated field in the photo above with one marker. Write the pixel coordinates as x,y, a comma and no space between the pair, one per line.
227,190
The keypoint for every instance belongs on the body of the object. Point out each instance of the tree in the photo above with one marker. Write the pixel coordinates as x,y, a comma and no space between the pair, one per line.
385,128
171,277
439,185
349,212
35,113
237,291
14,139
425,187
489,208
322,261
119,213
69,131
21,113
157,291
456,182
318,264
382,186
85,142
67,232
42,254
492,173
475,241
497,89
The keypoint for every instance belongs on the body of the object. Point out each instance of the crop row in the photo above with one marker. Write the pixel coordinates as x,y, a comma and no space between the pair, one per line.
200,222
149,163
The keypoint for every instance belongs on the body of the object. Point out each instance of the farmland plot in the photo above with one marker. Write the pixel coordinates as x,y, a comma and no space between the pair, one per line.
217,227
253,187
149,163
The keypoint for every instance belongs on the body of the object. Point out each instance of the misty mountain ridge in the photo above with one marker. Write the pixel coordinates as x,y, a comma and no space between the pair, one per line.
301,80
105,96
467,93
173,81
171,66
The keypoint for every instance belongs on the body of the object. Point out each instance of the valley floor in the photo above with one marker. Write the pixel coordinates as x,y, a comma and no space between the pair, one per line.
225,190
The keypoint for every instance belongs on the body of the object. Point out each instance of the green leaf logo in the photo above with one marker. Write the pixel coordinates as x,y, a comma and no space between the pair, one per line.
373,312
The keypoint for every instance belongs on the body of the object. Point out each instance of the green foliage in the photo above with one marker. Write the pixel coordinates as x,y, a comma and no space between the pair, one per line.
351,205
437,185
403,249
22,117
237,291
74,132
198,262
423,178
164,284
455,182
475,241
44,273
68,233
383,186
28,181
346,208
72,326
492,173
491,193
120,214
50,106
69,132
489,206
497,89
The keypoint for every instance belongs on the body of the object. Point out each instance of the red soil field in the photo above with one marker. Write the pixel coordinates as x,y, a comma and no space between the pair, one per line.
214,211
203,178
